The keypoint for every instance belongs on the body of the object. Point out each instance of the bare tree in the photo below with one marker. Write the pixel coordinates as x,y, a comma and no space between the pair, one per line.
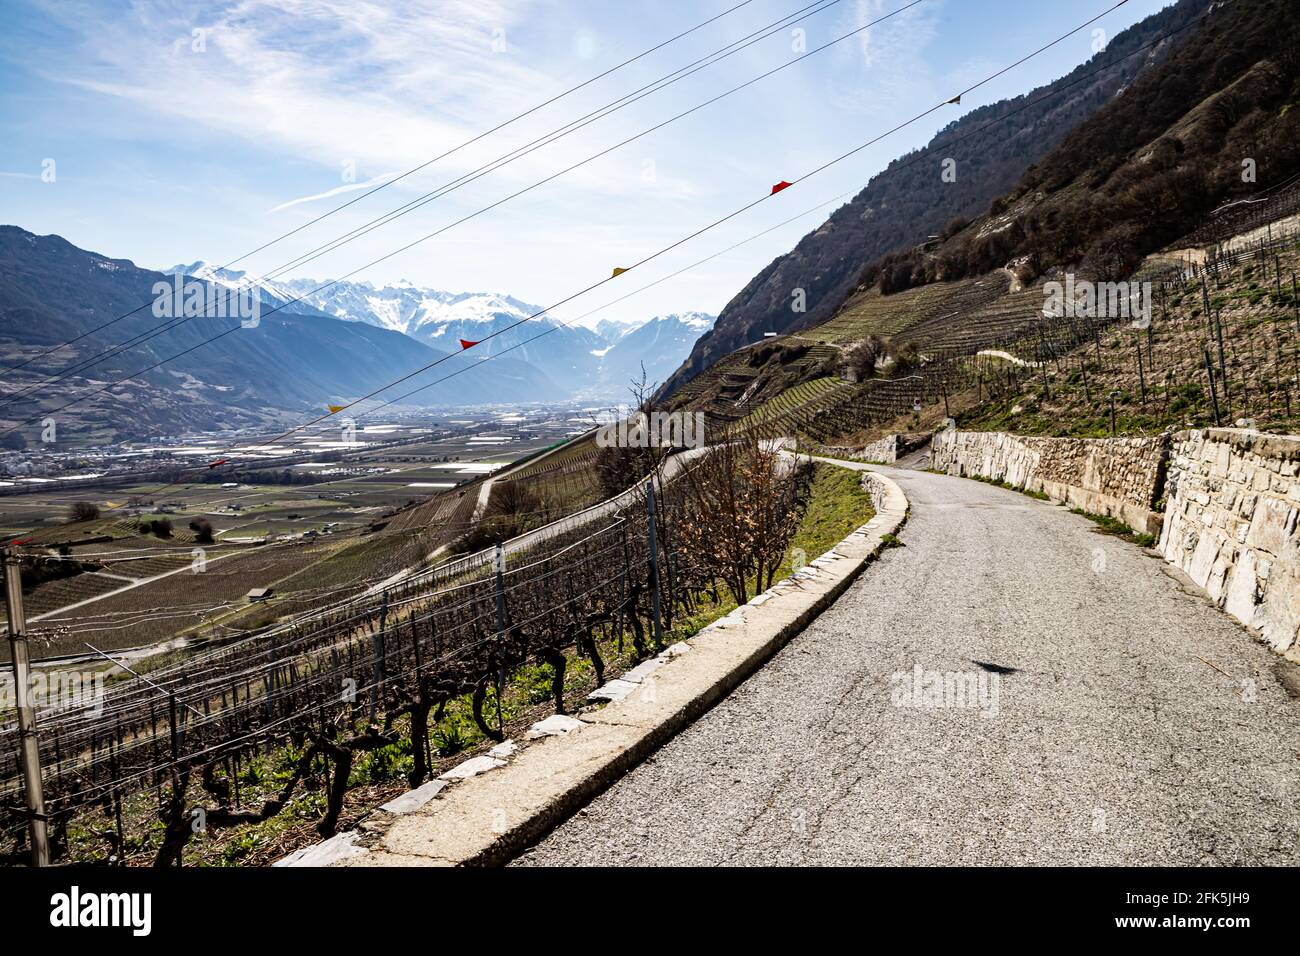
83,511
620,466
739,512
513,508
860,358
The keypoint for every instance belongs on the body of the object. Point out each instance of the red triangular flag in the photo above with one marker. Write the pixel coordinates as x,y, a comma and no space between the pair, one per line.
779,186
467,344
219,461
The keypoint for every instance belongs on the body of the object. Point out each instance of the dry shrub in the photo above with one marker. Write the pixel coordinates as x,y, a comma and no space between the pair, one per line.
739,513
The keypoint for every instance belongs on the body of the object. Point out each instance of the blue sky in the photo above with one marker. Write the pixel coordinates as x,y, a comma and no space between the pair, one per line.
171,145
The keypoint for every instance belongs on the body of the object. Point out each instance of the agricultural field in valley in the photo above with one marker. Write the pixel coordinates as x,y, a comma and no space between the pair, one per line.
142,570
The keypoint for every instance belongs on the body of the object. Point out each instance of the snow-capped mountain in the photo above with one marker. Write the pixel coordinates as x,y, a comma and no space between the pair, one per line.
657,344
592,363
404,307
441,319
271,291
612,331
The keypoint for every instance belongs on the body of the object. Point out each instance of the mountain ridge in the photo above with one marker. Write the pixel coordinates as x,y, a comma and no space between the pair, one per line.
602,358
901,204
52,292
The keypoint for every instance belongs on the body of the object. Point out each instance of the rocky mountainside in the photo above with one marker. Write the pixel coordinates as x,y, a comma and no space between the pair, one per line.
909,201
1216,125
963,325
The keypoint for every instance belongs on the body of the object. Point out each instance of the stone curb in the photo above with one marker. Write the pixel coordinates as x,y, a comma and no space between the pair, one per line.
487,818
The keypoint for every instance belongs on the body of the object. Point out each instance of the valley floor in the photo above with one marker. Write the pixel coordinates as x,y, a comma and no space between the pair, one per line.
1140,725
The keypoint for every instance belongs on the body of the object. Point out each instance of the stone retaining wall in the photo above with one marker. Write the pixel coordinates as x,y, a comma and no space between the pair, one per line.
1231,525
885,450
1120,478
1230,499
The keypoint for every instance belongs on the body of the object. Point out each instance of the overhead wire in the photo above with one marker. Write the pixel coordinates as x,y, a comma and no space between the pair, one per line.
507,158
421,166
473,215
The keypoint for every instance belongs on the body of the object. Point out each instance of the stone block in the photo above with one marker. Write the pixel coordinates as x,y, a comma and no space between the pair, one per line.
414,799
472,768
341,846
643,670
611,691
557,725
1271,524
1278,616
1242,594
1202,561
503,750
675,650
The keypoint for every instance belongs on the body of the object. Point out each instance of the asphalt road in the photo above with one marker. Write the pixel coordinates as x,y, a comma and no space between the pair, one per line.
1140,725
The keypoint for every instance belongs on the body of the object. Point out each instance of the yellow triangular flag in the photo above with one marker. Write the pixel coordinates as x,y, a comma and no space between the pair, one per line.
110,504
335,409
618,271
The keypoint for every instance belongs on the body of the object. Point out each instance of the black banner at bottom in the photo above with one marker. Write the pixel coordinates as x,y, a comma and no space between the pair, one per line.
136,907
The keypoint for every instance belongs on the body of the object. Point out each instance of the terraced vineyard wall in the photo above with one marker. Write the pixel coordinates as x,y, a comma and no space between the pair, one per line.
1233,525
1121,478
1241,224
971,338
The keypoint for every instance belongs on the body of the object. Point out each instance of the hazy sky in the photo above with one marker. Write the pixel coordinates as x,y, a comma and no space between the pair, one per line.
172,145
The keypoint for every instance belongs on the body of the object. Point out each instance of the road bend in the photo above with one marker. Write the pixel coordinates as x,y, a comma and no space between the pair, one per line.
1011,687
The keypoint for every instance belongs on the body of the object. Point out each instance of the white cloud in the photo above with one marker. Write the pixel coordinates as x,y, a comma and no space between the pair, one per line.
330,193
330,81
888,62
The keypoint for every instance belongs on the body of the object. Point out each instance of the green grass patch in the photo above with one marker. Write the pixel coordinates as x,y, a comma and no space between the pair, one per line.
1108,525
1000,483
837,506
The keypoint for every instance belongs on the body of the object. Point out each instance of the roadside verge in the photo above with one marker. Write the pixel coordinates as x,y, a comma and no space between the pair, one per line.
486,811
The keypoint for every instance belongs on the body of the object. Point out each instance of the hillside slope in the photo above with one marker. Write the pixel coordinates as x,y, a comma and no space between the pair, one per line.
1217,122
961,325
908,202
